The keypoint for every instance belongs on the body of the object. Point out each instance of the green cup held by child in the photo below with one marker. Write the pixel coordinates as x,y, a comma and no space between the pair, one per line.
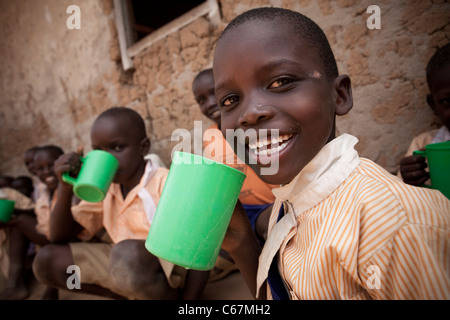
194,211
438,156
6,210
96,174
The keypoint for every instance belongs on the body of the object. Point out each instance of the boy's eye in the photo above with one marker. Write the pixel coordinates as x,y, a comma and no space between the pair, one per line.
228,101
201,100
279,83
118,148
446,100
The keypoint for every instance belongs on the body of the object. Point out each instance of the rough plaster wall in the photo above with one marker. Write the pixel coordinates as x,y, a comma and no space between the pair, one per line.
46,68
56,80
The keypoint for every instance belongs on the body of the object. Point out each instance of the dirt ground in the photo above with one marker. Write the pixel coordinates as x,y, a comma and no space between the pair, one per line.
232,287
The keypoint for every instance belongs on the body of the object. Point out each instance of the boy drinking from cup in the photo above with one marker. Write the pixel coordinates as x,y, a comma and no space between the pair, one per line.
341,227
120,267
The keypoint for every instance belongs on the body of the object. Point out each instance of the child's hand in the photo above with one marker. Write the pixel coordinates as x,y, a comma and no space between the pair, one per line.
413,171
238,229
68,162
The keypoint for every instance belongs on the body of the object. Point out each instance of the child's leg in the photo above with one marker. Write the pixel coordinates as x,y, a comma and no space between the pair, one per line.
25,224
138,272
50,267
15,285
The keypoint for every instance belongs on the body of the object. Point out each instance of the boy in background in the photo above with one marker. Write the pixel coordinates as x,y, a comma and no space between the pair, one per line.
341,226
413,167
120,267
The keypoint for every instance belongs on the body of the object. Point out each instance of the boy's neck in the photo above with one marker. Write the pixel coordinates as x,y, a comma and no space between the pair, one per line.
125,188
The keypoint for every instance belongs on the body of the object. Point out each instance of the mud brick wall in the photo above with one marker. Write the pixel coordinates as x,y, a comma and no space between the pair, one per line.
55,81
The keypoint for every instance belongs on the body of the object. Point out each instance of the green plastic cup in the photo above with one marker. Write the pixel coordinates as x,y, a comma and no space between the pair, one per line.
438,158
6,210
194,211
96,174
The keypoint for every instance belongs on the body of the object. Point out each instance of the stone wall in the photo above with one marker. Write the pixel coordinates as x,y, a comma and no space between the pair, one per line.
55,81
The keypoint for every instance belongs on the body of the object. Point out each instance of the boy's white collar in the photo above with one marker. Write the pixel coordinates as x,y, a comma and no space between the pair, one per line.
319,178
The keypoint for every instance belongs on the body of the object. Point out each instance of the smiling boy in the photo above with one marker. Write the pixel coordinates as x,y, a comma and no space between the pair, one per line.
341,227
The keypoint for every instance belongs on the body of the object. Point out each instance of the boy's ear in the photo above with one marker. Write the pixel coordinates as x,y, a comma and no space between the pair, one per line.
343,96
430,101
145,146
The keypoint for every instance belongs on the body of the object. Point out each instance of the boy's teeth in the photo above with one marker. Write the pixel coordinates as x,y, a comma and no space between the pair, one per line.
258,144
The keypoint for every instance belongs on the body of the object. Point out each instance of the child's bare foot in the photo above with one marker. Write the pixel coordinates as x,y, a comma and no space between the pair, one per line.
16,293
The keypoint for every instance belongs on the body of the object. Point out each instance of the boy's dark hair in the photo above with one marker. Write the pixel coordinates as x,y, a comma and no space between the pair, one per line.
6,180
33,149
303,25
132,116
438,61
28,184
202,73
51,148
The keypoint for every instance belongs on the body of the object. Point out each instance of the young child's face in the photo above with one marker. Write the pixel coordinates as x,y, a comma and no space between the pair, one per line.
43,162
112,135
439,98
203,89
268,78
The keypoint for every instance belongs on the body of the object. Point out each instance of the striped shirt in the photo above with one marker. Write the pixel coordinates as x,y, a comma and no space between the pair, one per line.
352,230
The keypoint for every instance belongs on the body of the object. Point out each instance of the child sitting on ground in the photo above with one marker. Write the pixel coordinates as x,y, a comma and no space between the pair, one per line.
121,267
32,226
341,226
413,167
12,241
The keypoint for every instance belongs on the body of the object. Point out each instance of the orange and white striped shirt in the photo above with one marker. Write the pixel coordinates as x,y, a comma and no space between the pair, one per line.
351,230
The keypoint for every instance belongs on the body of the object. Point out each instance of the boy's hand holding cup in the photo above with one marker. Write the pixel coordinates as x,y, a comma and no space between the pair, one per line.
68,162
90,176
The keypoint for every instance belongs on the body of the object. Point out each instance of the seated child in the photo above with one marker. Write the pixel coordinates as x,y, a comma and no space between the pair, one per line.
31,226
12,265
413,167
121,267
256,195
341,226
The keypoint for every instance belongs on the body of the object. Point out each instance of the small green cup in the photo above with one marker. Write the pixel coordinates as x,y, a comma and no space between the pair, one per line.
96,174
194,211
438,157
6,210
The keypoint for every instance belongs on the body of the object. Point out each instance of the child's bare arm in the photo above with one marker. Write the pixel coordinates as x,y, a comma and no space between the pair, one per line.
63,228
241,243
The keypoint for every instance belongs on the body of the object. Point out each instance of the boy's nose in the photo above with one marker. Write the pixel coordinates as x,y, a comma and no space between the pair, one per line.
255,113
